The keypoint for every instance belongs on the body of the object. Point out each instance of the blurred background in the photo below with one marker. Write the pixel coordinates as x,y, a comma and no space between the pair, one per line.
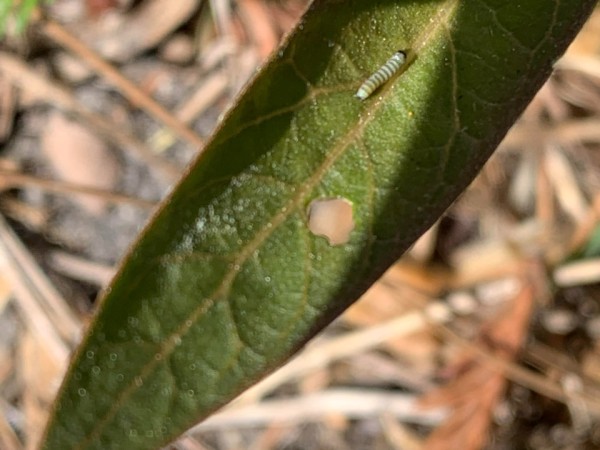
486,334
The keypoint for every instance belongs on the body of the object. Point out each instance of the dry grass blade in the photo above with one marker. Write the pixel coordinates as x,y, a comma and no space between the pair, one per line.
23,180
45,309
577,273
351,403
82,269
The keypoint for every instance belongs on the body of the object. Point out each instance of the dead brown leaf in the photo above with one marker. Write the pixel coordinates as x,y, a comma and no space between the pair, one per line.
123,37
476,388
76,155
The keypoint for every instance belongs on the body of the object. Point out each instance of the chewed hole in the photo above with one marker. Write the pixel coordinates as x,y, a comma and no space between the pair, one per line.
332,219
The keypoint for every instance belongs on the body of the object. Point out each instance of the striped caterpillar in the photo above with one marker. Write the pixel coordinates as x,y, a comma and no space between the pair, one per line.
383,74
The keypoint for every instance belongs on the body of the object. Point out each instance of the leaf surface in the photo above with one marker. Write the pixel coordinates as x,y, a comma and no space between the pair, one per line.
228,280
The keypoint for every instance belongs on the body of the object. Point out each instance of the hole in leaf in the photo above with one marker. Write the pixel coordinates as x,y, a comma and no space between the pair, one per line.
332,219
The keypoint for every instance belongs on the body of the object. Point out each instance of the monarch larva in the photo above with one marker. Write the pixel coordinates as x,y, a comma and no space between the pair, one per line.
383,74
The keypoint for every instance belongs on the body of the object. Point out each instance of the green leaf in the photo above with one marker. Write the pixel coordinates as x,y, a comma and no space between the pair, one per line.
228,280
24,13
20,10
591,249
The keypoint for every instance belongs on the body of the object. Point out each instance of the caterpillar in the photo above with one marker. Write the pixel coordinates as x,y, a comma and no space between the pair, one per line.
383,74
